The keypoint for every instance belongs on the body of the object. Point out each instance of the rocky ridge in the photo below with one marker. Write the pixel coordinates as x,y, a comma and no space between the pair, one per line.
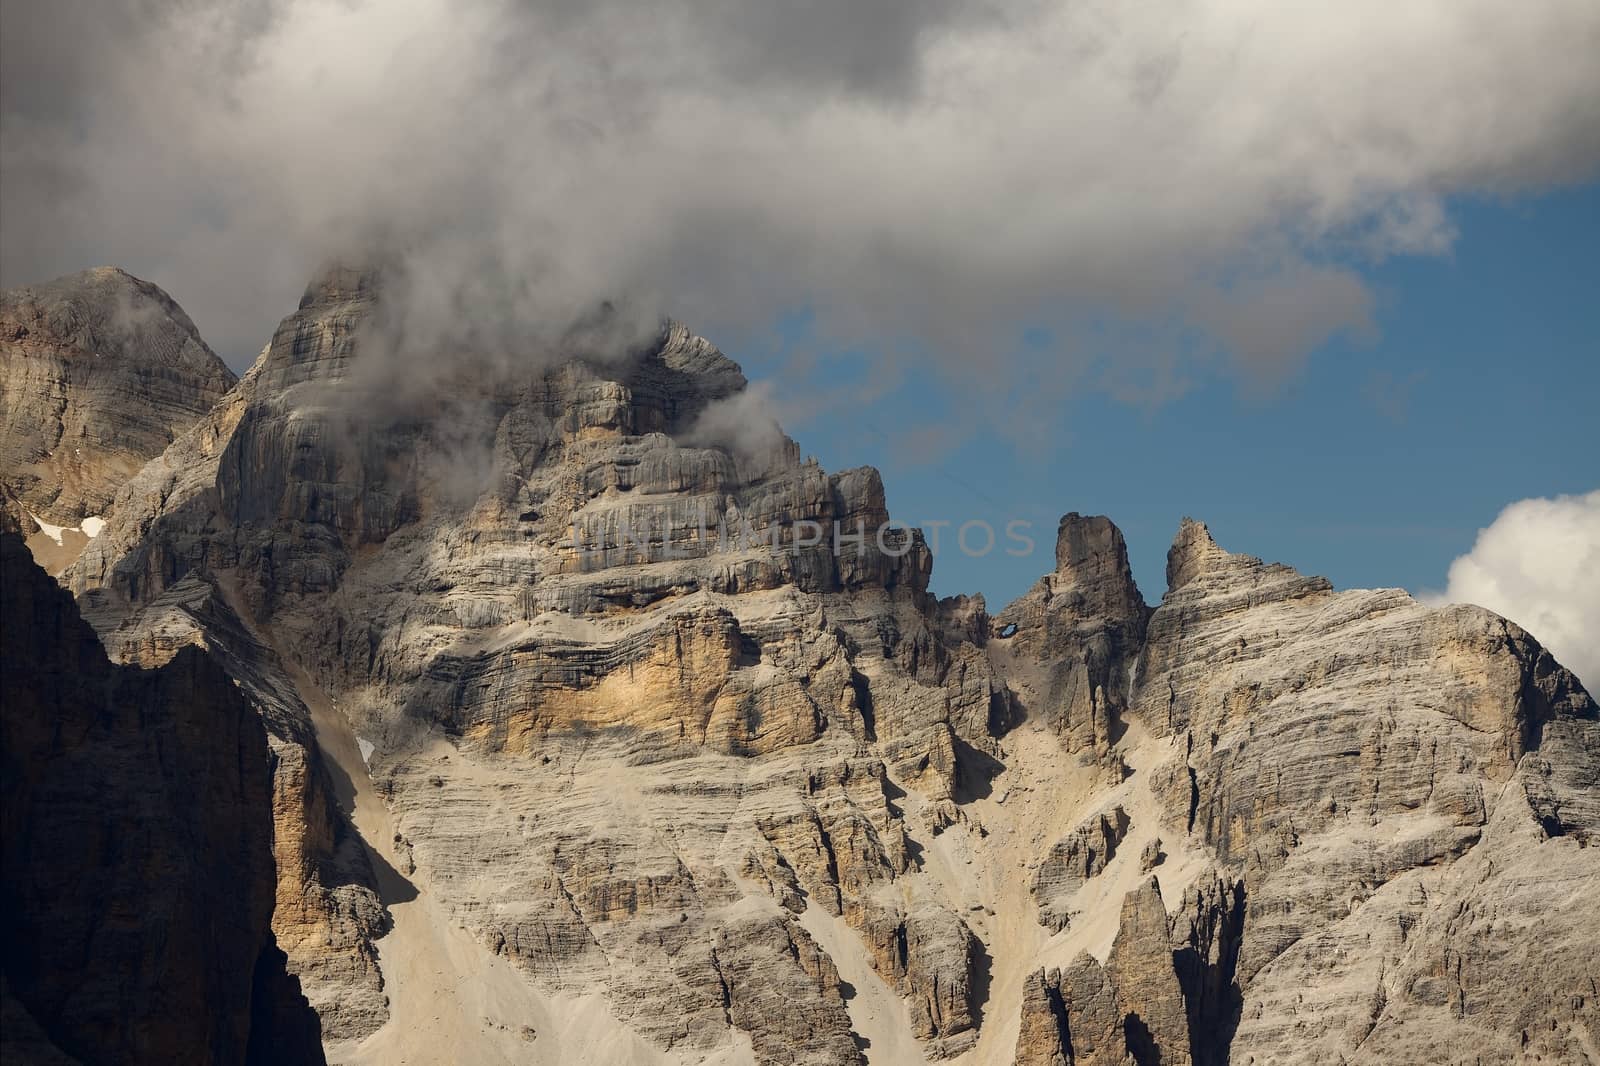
99,372
543,715
137,892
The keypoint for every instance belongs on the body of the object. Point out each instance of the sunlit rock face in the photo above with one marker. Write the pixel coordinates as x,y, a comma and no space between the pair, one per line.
99,372
651,737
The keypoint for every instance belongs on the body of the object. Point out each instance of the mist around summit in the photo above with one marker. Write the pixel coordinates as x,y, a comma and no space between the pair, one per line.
450,613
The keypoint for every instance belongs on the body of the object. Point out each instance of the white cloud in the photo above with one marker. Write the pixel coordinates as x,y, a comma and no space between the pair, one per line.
1154,184
1538,564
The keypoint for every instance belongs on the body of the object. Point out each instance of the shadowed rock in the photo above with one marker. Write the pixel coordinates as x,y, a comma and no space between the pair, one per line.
138,883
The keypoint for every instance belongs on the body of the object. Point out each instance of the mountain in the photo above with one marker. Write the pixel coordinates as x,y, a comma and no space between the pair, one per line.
136,894
99,372
602,736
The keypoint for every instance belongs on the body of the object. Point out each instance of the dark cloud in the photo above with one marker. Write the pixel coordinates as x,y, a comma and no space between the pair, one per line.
1148,183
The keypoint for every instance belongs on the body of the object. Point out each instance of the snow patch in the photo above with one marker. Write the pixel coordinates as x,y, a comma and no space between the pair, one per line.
90,528
367,749
53,532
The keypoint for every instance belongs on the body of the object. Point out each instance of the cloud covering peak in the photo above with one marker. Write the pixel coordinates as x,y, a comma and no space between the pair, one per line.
1538,564
1146,185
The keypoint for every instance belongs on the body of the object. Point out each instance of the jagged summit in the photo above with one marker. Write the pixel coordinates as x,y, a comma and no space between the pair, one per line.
1191,553
1092,558
1196,556
547,724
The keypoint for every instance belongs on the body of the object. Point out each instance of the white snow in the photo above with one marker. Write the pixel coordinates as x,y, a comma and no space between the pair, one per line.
90,528
53,532
367,749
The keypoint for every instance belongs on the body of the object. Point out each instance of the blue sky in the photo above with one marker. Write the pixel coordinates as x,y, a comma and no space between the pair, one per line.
1375,464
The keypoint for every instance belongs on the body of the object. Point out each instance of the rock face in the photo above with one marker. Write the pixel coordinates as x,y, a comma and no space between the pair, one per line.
1072,640
138,881
568,697
1074,859
99,372
1378,770
1160,997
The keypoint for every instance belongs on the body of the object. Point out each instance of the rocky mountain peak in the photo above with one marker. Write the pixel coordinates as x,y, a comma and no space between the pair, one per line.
1086,621
99,372
1193,551
339,281
1092,559
106,313
598,711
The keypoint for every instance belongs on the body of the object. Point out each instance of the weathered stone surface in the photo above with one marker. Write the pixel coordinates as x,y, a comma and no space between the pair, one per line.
1074,859
327,911
99,372
1098,1031
576,610
1072,1017
940,976
1140,968
1071,641
137,892
1359,759
1207,932
637,728
1165,993
784,991
1042,1039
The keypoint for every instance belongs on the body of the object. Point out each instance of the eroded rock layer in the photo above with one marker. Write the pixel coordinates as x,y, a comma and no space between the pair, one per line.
568,692
99,372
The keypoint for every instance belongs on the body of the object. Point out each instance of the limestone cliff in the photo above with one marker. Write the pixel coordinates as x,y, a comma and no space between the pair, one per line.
595,745
1391,795
137,890
1072,639
99,372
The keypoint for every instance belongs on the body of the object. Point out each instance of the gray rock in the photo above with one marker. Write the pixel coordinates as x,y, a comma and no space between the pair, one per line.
99,372
628,750
1074,859
1071,641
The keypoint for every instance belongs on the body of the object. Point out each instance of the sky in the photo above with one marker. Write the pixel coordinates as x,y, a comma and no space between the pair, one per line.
1312,273
1375,464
